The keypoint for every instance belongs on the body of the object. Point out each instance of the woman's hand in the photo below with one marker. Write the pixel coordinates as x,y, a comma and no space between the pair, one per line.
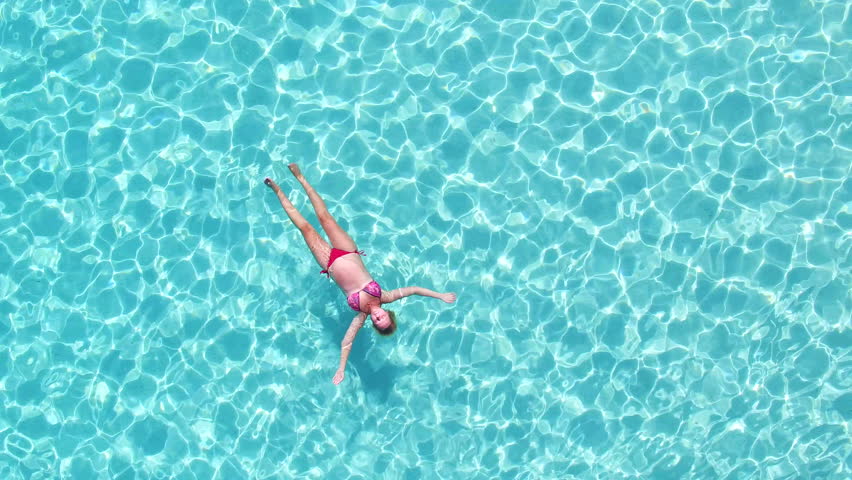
338,377
448,297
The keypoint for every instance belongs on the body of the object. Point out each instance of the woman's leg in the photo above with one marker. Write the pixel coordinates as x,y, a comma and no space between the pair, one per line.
338,237
318,246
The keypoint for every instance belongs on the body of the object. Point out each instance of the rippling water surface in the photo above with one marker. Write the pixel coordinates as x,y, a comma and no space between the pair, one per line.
645,208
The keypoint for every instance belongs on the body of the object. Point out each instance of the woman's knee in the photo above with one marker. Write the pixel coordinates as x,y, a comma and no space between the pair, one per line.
325,218
308,230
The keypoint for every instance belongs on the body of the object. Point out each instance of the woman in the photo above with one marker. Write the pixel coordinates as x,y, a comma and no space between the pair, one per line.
342,262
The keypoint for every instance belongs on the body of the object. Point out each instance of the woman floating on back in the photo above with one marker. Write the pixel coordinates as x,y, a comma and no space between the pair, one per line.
342,262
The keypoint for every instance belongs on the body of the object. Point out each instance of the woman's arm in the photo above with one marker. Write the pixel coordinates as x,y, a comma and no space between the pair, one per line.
346,345
394,295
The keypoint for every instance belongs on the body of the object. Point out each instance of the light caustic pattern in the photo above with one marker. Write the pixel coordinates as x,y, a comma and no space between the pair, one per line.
644,207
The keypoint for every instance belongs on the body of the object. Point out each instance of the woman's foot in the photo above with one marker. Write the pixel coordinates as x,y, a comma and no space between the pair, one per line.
269,183
295,169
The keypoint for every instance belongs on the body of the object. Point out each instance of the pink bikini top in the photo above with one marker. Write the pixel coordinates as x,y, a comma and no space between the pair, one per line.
371,288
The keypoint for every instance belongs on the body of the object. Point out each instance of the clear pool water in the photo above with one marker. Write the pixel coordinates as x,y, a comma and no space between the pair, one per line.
645,208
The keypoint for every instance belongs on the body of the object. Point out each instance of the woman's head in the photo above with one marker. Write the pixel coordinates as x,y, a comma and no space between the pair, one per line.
383,321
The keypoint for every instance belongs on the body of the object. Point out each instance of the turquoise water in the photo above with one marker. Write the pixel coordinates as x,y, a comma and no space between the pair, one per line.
644,207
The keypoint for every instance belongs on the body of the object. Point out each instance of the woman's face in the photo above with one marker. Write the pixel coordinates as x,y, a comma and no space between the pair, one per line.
381,319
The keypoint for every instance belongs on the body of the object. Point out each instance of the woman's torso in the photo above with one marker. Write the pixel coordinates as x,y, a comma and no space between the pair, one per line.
349,273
